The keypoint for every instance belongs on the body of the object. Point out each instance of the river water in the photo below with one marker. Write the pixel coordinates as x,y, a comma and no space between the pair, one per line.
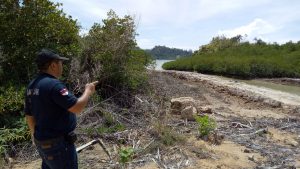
259,83
291,89
284,88
159,64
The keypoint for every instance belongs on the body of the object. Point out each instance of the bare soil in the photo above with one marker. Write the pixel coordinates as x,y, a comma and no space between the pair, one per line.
259,131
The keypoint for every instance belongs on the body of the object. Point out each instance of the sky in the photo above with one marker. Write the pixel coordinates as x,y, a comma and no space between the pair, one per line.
188,24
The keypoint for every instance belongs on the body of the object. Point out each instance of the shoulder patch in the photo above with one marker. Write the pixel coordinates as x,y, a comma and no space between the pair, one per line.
64,92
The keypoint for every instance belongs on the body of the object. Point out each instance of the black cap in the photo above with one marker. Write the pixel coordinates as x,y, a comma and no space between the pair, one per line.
46,55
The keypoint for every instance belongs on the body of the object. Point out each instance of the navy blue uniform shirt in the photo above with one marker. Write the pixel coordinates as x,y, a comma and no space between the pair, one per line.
48,100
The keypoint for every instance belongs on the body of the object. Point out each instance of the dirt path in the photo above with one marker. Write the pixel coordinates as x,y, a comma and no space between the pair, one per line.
271,138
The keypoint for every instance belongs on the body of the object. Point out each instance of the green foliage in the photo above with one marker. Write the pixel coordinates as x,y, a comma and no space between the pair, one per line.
166,135
109,119
28,26
135,71
241,59
206,125
220,43
95,98
109,125
11,100
111,129
163,52
126,154
2,160
111,49
17,132
13,128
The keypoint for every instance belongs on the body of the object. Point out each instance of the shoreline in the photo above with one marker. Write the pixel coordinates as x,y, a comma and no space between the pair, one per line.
270,97
283,81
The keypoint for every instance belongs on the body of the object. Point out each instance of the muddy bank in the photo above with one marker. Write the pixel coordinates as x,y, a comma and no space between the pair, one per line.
289,102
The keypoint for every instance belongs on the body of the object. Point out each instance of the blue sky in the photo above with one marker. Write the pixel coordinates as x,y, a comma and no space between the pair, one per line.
188,24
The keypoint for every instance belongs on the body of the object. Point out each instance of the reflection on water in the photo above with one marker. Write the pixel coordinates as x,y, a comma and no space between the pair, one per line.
275,86
159,64
284,88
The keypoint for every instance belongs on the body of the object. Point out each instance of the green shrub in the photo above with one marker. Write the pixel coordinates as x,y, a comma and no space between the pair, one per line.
11,100
166,135
206,125
2,161
110,125
110,48
111,129
13,128
242,59
126,154
16,133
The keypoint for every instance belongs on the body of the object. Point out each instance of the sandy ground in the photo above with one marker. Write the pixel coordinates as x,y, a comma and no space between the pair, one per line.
284,98
232,102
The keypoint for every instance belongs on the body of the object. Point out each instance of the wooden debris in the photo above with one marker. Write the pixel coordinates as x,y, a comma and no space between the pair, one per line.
240,125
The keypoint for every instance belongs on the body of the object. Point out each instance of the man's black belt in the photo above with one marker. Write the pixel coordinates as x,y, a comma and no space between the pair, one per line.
70,138
49,141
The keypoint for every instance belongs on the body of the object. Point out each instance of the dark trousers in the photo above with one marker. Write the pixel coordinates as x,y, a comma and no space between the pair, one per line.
57,155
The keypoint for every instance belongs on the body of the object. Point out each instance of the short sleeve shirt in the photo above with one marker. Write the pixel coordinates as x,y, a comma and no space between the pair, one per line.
48,100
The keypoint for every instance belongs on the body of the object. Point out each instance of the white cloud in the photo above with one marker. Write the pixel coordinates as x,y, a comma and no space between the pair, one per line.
145,43
257,28
174,12
192,23
178,12
85,10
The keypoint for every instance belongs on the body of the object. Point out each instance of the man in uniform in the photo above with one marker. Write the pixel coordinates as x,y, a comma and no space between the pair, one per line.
50,111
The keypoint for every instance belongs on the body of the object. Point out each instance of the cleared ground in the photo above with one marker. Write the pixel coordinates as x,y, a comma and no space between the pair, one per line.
261,128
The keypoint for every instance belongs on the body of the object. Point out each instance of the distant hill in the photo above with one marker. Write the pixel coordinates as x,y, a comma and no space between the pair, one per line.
163,52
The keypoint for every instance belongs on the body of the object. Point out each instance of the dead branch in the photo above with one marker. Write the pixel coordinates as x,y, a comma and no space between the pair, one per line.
288,126
260,131
240,125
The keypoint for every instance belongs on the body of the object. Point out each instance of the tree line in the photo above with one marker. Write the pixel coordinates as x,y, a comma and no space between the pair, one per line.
166,53
235,57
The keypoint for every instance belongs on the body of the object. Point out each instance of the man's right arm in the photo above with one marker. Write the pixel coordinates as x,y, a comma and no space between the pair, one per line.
31,124
84,98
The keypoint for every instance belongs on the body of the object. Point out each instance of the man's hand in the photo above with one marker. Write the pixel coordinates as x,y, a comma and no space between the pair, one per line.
82,100
90,87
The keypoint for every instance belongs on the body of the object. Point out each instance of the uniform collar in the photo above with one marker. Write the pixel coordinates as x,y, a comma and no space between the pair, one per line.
47,74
